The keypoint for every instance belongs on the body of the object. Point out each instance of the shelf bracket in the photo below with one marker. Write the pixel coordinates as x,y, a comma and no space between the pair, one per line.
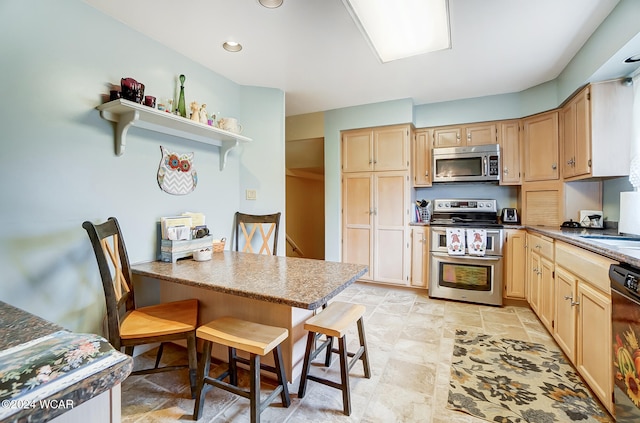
224,151
123,123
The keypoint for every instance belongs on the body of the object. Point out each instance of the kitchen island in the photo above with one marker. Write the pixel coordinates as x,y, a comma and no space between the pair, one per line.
274,290
48,373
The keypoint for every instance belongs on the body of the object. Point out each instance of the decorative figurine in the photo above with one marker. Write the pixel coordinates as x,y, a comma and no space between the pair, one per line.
182,108
203,114
195,115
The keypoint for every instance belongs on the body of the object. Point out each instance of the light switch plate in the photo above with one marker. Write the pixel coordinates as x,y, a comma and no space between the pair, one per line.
251,194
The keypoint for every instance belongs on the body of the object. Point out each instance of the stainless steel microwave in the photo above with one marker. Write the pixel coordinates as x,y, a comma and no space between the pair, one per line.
478,163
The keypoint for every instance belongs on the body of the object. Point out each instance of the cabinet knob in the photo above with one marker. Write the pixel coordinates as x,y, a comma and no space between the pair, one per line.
505,171
426,173
576,303
568,297
554,166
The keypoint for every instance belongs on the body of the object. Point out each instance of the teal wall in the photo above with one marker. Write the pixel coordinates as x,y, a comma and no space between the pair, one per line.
619,27
59,166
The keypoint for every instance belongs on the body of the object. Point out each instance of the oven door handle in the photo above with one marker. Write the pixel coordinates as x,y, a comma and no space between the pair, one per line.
466,256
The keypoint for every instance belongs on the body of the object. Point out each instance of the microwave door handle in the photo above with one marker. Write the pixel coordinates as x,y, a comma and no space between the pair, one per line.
485,165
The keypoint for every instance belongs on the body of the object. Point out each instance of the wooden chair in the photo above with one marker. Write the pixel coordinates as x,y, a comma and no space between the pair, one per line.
129,326
244,221
256,339
332,322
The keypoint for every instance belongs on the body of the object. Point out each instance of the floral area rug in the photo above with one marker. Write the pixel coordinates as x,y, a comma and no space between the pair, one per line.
509,381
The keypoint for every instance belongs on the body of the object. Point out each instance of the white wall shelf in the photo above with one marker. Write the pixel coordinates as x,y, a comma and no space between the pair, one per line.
127,113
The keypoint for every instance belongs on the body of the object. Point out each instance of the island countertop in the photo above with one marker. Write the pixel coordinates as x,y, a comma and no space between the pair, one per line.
25,341
292,281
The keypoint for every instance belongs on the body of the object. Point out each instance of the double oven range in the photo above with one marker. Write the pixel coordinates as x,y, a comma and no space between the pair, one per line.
471,278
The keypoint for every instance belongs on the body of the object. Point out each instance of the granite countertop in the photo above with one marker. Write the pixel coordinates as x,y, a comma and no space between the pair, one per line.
573,236
297,282
40,361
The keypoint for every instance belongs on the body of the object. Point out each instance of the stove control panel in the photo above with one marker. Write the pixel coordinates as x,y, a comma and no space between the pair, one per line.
461,205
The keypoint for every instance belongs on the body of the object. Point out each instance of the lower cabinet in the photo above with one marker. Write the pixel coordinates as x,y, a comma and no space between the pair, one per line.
515,263
420,256
582,326
540,277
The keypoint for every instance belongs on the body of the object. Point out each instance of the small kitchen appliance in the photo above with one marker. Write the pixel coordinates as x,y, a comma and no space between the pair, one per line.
509,215
591,219
480,163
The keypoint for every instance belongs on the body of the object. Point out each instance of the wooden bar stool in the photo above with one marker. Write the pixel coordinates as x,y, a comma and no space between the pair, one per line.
333,321
256,339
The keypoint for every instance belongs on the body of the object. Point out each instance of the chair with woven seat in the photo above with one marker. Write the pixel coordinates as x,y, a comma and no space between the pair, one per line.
256,339
128,325
248,224
333,322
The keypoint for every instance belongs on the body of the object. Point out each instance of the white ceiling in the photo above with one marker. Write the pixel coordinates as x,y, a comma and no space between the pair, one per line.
313,51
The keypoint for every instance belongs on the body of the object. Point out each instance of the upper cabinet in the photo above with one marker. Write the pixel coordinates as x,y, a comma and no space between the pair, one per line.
377,149
596,127
509,140
421,158
456,135
540,139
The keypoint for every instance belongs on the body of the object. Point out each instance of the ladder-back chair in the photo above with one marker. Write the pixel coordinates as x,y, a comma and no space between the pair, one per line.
127,325
248,224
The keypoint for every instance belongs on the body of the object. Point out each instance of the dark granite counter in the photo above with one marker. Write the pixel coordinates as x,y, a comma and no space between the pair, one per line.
41,363
574,237
296,282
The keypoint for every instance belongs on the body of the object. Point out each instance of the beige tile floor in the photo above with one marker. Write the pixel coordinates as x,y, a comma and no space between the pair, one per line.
410,340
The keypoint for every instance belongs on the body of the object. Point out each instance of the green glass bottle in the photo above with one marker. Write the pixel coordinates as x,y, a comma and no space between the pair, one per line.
182,108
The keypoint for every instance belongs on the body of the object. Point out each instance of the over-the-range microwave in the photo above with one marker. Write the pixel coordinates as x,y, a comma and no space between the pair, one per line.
478,163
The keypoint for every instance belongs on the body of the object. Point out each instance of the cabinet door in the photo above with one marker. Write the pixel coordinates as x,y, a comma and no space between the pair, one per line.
547,291
509,136
564,328
515,264
357,227
357,150
419,256
533,281
594,358
568,128
390,215
481,134
448,136
421,159
541,147
391,148
582,151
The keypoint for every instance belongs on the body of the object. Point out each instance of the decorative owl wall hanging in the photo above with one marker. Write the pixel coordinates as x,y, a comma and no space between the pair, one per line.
176,174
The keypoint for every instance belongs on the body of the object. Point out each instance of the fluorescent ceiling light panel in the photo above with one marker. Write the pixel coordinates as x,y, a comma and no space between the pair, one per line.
397,29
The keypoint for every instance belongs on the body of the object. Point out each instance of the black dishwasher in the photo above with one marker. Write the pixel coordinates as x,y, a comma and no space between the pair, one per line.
625,328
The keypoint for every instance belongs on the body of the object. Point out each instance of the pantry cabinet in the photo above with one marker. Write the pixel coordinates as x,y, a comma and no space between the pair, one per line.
515,264
583,315
467,135
596,127
540,141
375,219
376,149
421,158
420,256
509,140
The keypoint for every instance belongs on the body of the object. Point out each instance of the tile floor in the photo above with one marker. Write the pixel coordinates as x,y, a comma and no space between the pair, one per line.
410,340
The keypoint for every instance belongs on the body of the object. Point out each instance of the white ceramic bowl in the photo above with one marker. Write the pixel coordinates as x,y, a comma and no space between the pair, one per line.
202,255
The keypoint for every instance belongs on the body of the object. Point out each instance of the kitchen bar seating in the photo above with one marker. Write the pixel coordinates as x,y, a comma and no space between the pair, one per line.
244,222
333,321
145,325
257,340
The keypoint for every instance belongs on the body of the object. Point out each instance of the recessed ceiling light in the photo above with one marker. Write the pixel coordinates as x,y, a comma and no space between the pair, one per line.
271,4
632,59
232,46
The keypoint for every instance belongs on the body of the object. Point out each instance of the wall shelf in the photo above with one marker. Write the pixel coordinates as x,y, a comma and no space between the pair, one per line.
127,113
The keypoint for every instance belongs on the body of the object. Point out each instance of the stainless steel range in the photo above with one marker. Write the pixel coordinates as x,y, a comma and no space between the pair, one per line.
466,251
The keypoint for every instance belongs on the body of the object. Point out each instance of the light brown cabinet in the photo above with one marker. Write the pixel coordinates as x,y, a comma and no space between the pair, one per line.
582,325
375,219
472,134
596,127
421,158
540,140
420,256
376,149
515,261
509,140
540,277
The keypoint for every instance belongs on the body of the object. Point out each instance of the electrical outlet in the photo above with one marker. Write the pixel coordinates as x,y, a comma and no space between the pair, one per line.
251,194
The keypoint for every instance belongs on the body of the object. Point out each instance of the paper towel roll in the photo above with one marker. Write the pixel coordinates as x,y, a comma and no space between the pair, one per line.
629,213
